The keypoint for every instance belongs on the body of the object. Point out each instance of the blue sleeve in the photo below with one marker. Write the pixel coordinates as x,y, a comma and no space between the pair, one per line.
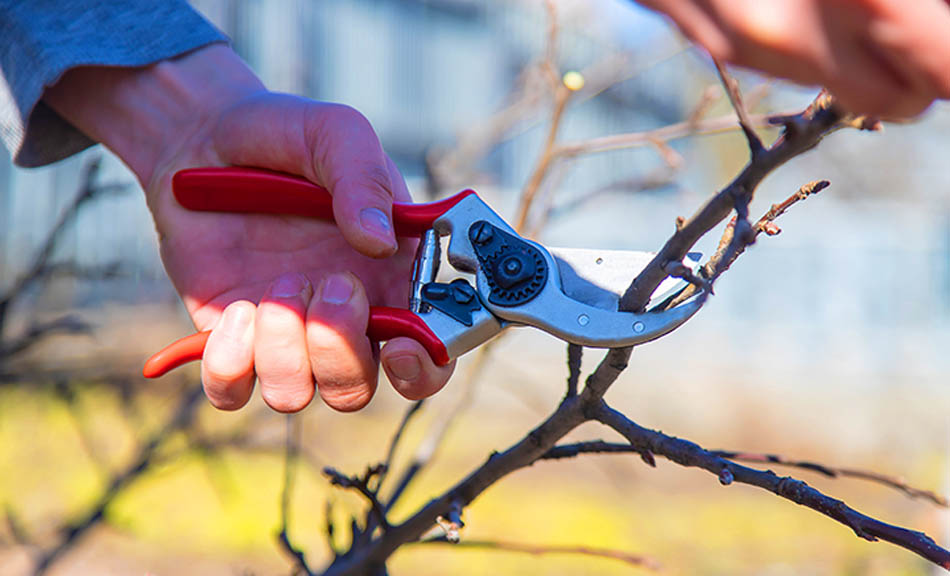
42,39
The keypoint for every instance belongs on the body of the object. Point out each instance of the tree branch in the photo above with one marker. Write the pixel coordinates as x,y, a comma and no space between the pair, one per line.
542,550
575,356
601,447
361,485
686,453
820,119
834,472
181,418
40,266
291,457
394,443
735,98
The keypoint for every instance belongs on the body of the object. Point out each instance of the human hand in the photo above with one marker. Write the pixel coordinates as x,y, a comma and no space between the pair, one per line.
287,299
889,58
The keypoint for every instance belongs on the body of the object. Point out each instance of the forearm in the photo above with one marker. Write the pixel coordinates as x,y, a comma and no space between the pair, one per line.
143,114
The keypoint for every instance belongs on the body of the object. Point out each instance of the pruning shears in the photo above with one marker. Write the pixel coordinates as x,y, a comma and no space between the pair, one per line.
572,294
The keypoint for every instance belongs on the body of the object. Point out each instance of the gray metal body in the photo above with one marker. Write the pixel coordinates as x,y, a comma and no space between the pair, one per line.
578,303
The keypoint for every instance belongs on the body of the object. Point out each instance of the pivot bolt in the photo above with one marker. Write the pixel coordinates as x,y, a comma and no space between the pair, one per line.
462,291
481,233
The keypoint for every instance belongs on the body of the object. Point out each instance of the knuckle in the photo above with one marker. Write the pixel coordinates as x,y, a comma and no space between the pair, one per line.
761,23
348,114
377,177
368,178
346,398
222,368
343,118
223,396
223,374
283,368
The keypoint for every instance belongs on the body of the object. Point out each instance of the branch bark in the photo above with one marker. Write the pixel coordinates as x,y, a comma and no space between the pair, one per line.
686,453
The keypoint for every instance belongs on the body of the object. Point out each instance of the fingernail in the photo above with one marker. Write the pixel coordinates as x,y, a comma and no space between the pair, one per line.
337,289
406,367
289,285
235,319
375,221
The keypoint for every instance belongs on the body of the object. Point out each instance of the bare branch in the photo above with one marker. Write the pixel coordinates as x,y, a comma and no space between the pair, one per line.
686,453
428,449
39,266
596,447
819,120
15,527
601,447
835,472
569,414
561,96
685,129
394,443
575,355
291,457
542,550
181,419
361,485
656,180
735,98
737,243
38,332
729,249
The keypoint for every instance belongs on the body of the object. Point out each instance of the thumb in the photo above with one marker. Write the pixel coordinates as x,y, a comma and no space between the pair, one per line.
330,144
350,162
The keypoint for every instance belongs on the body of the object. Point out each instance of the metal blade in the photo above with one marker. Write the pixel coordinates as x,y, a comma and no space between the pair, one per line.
600,277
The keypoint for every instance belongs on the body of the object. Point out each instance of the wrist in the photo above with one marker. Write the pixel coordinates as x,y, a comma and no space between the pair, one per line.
146,115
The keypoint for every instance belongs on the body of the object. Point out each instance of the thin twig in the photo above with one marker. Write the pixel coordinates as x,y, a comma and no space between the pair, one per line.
360,485
394,443
562,94
735,98
523,113
836,472
728,250
438,431
39,266
40,331
15,527
542,550
291,458
656,180
820,119
688,128
181,419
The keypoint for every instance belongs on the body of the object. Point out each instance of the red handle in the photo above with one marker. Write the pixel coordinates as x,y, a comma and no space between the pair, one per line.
253,190
384,324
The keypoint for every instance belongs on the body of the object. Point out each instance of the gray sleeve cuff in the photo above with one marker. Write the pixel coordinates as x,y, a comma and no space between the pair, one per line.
40,40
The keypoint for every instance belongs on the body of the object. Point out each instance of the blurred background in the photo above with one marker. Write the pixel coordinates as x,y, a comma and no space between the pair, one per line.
830,342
